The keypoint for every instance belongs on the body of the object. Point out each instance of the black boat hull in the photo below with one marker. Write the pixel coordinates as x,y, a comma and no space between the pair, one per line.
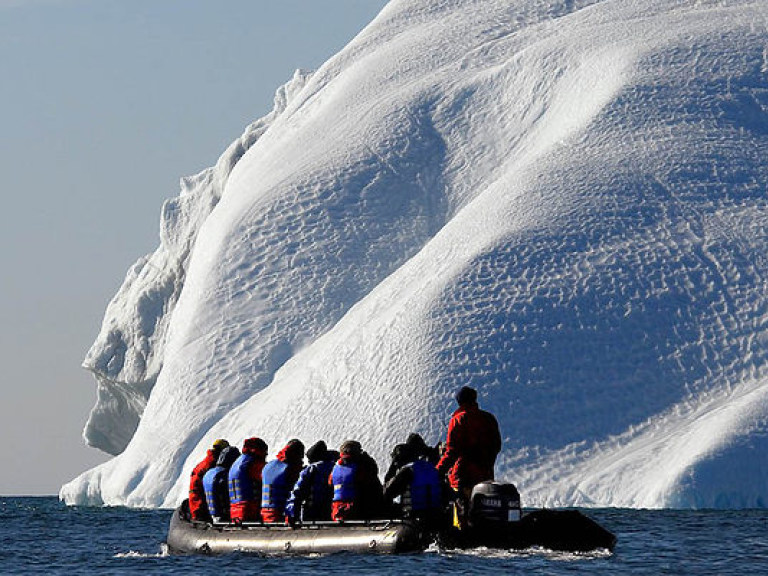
559,530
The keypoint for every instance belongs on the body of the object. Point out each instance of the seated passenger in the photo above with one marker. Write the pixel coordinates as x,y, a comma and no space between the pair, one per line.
357,491
197,508
397,461
245,481
422,450
311,497
216,484
419,486
278,477
415,446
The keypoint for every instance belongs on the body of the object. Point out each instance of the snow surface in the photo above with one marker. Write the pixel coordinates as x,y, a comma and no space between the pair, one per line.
563,204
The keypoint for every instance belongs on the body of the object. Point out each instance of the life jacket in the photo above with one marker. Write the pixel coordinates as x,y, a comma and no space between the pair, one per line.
275,486
217,492
317,506
425,490
343,478
241,484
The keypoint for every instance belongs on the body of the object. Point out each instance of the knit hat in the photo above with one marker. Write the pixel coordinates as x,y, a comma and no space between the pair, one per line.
416,443
294,450
317,451
255,446
351,448
466,395
228,456
220,444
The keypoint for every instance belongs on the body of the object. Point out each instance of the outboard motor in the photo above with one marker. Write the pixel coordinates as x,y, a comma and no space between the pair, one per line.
494,503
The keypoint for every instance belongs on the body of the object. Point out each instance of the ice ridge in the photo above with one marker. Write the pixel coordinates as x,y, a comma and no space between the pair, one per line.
561,203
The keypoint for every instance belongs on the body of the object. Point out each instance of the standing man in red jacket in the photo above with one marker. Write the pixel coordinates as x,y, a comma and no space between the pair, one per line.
472,445
197,505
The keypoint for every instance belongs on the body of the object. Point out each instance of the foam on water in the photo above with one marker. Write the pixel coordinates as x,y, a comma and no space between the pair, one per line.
134,554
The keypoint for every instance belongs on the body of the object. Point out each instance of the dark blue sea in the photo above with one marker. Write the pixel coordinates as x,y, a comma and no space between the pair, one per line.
42,536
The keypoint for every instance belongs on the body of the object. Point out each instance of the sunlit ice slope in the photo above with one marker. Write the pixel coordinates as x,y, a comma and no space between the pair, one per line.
563,204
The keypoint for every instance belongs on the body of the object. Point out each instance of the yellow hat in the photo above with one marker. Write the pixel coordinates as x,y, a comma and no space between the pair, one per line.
220,444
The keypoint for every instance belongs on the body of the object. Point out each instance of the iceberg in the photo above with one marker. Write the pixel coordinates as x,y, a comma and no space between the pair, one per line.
563,204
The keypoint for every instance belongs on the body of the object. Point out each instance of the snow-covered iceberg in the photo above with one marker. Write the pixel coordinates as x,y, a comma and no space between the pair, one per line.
564,204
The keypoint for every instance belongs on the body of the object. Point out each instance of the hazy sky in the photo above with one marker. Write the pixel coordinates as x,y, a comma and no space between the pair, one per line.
104,105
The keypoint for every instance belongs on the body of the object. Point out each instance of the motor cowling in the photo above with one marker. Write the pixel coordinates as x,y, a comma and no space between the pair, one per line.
494,503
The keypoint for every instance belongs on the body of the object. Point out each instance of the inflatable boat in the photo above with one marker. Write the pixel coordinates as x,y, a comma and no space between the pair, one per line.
381,536
494,520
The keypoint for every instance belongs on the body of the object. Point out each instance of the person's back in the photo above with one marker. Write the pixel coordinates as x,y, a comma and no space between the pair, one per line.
422,451
424,499
414,447
312,495
398,460
419,487
245,481
479,442
371,490
197,506
216,484
278,477
472,444
357,491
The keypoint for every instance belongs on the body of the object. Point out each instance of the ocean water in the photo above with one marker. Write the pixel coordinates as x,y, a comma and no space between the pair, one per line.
42,536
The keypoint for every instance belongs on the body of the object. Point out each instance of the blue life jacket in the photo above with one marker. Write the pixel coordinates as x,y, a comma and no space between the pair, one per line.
343,478
240,483
274,485
318,504
311,497
217,492
425,490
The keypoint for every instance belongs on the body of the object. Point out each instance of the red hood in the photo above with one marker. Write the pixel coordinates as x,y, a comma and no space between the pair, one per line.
255,451
347,459
210,458
285,454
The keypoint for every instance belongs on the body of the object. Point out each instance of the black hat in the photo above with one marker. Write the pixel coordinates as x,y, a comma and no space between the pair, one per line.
351,448
416,442
404,453
466,395
294,450
317,451
228,456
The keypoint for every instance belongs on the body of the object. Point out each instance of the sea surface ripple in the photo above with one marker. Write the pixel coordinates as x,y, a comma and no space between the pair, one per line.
42,536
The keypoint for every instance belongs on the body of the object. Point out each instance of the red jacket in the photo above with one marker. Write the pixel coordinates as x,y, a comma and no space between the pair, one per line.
471,448
197,505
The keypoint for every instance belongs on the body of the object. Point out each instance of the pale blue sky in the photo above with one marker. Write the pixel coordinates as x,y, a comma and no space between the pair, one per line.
104,105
